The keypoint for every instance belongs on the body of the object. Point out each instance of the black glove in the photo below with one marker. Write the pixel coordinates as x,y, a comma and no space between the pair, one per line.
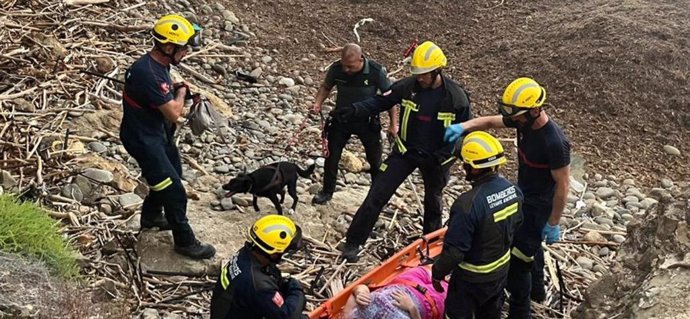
346,113
290,284
188,92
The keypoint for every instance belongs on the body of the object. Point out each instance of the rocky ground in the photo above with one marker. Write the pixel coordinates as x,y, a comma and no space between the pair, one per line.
617,81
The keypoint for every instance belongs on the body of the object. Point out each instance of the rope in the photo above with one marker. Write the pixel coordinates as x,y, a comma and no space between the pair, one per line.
324,135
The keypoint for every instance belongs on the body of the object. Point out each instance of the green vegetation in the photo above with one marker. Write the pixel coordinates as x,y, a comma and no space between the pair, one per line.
27,230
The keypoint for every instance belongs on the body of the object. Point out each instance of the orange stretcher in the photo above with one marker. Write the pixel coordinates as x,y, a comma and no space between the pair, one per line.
415,254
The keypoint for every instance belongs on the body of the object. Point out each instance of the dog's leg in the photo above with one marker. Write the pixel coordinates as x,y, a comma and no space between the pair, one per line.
282,196
292,190
255,203
276,203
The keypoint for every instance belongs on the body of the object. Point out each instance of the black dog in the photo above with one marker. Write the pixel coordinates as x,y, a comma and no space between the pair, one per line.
269,181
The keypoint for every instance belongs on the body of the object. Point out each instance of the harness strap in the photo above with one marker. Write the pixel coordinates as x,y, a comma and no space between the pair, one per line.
130,100
434,309
277,179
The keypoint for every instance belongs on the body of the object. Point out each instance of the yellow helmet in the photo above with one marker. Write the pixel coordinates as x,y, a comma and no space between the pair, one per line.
521,95
174,29
481,150
275,234
426,58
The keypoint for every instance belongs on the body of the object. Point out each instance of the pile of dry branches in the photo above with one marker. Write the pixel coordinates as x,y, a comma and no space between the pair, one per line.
47,46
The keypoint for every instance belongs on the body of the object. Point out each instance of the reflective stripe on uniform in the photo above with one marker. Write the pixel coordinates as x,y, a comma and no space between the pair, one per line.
224,280
520,255
452,158
409,106
383,167
446,117
401,147
506,212
162,185
485,269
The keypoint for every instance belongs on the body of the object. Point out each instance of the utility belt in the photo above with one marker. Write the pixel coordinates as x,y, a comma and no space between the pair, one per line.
373,119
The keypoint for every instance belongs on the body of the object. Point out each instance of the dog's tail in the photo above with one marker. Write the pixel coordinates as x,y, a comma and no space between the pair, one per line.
307,172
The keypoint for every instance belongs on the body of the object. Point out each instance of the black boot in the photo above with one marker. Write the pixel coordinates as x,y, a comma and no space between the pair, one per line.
350,252
321,198
196,250
159,222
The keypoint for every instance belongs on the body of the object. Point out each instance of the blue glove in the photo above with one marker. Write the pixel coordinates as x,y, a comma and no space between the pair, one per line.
551,233
453,133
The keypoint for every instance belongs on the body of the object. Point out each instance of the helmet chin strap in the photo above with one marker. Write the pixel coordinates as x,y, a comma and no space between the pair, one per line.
170,56
531,119
471,177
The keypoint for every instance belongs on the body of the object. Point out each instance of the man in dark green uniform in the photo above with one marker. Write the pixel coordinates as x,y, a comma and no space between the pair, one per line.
357,78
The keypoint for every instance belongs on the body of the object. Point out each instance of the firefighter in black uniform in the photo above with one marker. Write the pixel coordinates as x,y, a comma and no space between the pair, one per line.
357,78
152,103
543,178
483,221
250,285
430,103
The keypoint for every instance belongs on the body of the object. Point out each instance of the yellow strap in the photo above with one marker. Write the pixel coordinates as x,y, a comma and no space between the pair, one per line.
401,147
506,212
520,255
162,185
224,280
409,106
485,269
446,117
452,158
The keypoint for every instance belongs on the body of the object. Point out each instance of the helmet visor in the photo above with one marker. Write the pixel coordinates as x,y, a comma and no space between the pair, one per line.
195,40
509,110
296,243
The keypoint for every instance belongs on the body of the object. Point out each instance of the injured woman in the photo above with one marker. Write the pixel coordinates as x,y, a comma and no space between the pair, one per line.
410,294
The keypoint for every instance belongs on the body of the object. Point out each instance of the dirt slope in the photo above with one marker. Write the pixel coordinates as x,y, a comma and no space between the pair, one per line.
616,70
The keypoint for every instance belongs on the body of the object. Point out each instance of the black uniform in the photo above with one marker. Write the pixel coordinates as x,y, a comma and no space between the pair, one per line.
354,88
425,113
148,137
246,290
477,246
539,152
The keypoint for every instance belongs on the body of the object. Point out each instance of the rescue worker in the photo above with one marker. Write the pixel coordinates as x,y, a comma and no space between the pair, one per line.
356,78
543,177
430,102
152,104
483,221
250,285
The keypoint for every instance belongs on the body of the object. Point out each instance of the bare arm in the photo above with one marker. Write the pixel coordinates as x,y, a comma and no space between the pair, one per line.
483,123
172,110
560,196
324,91
360,296
393,123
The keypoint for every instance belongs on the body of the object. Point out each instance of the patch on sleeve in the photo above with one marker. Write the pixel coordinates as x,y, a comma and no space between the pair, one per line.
278,299
165,88
387,92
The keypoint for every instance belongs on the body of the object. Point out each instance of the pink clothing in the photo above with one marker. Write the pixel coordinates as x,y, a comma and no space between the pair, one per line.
422,277
382,301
